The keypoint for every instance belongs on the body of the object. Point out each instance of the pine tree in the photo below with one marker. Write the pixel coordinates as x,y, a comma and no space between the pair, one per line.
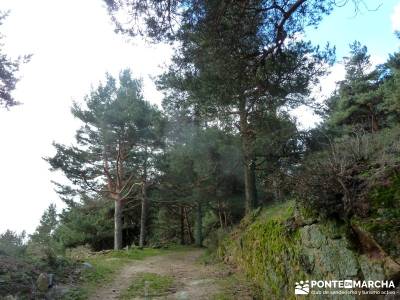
44,232
237,70
8,71
111,152
391,90
357,103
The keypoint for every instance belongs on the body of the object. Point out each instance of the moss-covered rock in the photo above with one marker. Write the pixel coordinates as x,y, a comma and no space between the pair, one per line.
383,220
371,268
42,282
267,252
312,237
327,252
274,258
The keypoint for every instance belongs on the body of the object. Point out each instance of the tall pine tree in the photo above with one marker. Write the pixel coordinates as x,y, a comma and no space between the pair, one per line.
111,153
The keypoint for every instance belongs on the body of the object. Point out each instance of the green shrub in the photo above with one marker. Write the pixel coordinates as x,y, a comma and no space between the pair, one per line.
336,182
12,243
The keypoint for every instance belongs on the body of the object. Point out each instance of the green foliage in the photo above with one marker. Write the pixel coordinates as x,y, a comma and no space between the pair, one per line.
88,223
118,123
357,101
199,166
367,98
103,272
114,159
47,225
275,74
16,276
233,286
335,182
382,222
137,254
157,16
391,89
12,243
164,229
8,73
387,197
43,244
148,285
239,68
21,262
213,242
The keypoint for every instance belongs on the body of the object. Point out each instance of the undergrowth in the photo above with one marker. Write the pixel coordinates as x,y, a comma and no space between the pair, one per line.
148,285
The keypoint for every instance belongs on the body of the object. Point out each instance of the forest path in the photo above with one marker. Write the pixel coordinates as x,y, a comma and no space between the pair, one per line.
192,280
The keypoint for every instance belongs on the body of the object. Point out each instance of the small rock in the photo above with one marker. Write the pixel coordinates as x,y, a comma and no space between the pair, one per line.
42,282
58,292
10,297
87,265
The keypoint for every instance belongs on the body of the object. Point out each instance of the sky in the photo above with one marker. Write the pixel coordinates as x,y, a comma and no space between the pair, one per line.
373,25
74,45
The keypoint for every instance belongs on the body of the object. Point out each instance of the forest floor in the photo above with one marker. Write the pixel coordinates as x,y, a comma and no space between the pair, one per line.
175,275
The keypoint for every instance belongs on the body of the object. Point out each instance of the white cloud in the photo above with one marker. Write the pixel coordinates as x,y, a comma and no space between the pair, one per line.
396,18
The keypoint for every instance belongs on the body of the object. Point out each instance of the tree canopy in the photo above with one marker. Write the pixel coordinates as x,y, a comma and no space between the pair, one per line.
8,72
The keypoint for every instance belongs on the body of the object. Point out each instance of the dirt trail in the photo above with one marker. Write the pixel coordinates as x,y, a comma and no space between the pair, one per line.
192,280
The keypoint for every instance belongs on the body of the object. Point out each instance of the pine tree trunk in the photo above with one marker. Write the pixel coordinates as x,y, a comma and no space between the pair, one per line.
199,225
220,213
250,186
118,225
189,228
374,125
182,220
143,217
249,163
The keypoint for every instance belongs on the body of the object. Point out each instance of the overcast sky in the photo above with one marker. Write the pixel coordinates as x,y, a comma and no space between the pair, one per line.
73,45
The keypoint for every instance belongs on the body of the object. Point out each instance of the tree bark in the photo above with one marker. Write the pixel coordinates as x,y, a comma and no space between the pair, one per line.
199,225
247,139
221,224
143,217
143,214
374,124
118,225
250,185
189,228
225,219
182,220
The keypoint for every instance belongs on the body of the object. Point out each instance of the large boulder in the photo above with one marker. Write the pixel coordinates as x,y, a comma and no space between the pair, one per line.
42,282
325,255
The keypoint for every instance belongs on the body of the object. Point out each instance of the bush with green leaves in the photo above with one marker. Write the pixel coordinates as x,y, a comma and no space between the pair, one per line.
12,243
90,222
336,181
